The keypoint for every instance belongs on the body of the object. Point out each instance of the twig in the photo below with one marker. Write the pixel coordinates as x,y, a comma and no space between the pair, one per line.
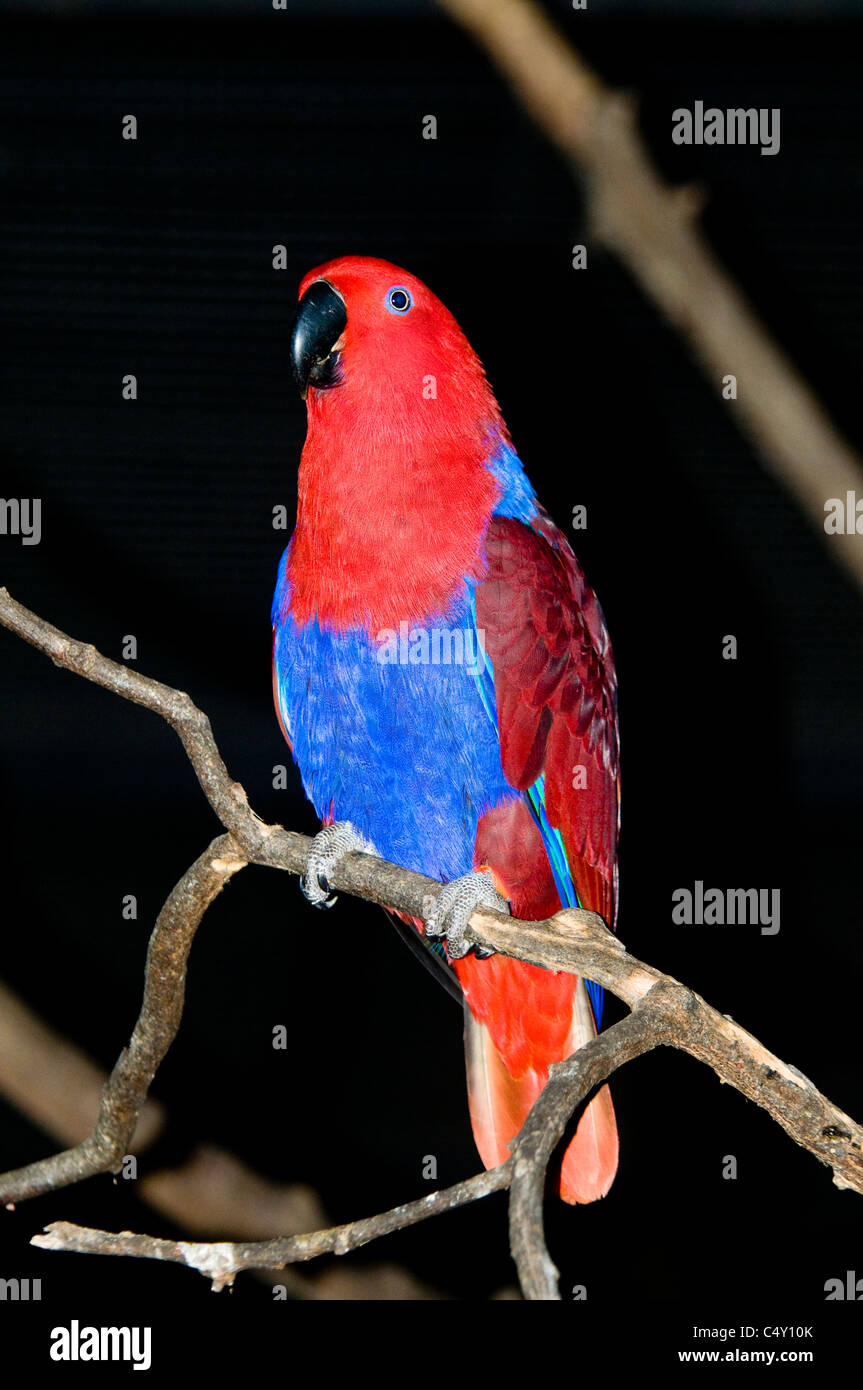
653,229
221,1261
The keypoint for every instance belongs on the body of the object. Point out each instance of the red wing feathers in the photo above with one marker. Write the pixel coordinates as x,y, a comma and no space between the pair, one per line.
556,693
557,716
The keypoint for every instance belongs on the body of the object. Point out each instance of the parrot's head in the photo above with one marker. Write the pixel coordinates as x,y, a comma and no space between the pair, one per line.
396,484
369,335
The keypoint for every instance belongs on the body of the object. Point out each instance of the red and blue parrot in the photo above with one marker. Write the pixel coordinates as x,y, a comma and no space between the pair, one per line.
444,677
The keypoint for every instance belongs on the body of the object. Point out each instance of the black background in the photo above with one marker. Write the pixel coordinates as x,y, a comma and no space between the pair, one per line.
155,257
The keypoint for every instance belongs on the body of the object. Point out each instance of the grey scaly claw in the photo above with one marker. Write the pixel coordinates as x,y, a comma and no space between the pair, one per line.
329,846
453,907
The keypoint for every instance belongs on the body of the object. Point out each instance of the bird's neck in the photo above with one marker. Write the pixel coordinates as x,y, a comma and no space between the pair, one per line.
390,522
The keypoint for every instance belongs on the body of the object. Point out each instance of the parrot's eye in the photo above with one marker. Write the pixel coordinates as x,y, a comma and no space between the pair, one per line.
398,300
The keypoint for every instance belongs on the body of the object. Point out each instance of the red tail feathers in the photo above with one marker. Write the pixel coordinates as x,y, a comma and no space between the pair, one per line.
508,1056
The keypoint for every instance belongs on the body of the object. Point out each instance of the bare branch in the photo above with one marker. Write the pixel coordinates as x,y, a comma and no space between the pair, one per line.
211,1194
580,942
222,1261
668,1014
652,229
164,988
568,1084
664,1012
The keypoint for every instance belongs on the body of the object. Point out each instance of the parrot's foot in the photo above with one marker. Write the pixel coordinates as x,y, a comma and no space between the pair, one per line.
329,846
453,907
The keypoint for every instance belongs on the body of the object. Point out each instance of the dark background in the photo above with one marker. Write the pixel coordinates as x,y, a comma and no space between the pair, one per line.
154,257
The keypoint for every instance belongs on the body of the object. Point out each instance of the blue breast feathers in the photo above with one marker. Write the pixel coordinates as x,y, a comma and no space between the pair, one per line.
390,733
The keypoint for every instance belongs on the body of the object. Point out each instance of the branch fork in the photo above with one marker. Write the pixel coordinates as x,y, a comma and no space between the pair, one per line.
663,1013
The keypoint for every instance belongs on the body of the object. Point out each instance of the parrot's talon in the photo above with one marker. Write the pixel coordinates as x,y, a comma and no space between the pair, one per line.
453,908
329,846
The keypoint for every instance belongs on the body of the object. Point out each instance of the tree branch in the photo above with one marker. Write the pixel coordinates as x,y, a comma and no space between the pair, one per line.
222,1260
580,942
568,1084
653,230
164,989
664,1013
211,1193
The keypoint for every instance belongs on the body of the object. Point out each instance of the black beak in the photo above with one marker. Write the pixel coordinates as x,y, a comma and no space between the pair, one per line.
320,322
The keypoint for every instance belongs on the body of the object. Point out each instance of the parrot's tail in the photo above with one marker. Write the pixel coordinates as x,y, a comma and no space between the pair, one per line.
499,1104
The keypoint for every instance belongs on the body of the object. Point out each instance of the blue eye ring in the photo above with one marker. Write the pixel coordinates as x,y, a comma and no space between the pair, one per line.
398,299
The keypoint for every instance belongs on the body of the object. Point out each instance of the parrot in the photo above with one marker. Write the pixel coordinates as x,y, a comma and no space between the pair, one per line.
444,678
